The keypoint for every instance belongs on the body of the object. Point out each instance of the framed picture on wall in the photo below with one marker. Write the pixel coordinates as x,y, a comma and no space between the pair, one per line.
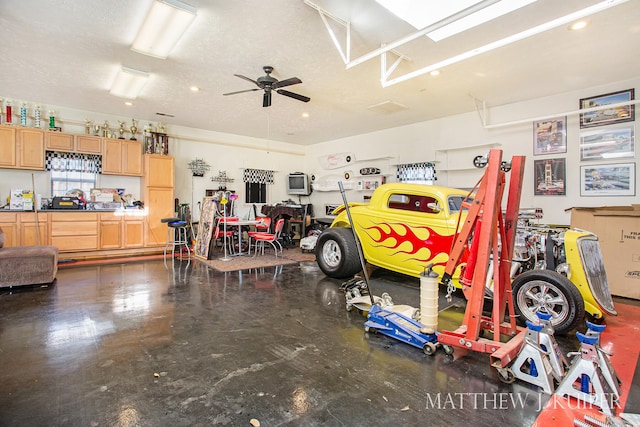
607,116
550,177
608,180
550,136
607,143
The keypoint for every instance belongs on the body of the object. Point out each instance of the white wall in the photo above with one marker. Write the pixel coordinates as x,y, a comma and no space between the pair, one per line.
419,143
384,149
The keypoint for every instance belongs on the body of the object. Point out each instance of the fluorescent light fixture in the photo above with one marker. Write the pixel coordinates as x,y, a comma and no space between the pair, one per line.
165,23
421,14
129,83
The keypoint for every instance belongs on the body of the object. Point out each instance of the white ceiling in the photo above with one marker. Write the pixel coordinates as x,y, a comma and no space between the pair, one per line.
66,53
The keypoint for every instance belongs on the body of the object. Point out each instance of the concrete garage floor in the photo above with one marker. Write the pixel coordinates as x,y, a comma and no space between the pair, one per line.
137,344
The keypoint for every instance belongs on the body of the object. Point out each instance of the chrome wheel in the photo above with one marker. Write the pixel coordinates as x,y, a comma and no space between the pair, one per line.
331,253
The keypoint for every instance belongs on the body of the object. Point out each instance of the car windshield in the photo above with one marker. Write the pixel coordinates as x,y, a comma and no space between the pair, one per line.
455,202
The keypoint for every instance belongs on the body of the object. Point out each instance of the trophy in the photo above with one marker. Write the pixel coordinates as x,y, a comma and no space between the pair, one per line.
133,129
96,129
121,130
87,126
105,129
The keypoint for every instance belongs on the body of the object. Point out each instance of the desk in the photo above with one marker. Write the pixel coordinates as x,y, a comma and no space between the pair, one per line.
237,223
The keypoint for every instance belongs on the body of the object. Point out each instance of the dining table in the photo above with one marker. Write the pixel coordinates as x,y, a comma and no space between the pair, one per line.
235,222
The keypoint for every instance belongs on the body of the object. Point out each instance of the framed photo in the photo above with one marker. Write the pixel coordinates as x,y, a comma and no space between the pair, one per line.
607,143
607,116
608,180
205,227
550,136
550,177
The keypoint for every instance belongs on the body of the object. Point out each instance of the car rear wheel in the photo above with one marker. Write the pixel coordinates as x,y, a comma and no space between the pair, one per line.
337,253
549,292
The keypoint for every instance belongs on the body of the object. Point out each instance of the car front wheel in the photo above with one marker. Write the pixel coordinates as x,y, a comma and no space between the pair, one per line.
549,292
337,253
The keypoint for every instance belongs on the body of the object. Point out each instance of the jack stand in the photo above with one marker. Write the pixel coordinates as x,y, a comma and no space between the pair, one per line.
532,364
603,357
549,344
585,380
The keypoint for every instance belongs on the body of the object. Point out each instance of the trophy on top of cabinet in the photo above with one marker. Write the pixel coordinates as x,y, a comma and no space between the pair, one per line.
105,129
133,129
87,126
121,130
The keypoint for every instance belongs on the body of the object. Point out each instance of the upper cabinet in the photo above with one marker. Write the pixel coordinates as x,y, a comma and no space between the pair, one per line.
121,157
67,142
8,152
30,148
158,171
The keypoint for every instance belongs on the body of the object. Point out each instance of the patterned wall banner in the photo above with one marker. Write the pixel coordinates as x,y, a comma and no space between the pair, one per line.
424,171
73,162
258,176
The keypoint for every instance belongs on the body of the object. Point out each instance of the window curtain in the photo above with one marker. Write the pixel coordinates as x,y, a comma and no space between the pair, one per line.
258,176
416,172
73,162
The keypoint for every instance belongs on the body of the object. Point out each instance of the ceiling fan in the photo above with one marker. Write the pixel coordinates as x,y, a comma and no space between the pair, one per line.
269,84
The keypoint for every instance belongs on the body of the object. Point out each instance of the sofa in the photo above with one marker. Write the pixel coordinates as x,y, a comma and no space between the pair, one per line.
27,265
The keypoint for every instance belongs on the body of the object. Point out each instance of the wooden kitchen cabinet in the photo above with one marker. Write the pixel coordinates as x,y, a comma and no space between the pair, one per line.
72,143
133,232
58,141
160,203
89,144
110,231
28,227
122,157
9,225
8,153
74,231
30,144
158,171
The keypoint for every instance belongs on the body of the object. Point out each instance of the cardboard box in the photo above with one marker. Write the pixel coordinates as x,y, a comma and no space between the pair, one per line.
618,231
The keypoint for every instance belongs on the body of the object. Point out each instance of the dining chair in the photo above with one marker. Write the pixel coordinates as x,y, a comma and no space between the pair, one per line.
219,233
271,238
261,227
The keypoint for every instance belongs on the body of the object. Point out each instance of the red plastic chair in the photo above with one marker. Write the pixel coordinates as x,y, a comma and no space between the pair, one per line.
219,233
271,238
261,227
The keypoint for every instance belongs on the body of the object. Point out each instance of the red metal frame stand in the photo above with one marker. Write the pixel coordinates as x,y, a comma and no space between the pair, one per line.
490,237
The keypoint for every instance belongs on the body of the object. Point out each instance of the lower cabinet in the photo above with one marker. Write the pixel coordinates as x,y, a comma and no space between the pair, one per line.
9,225
74,231
121,231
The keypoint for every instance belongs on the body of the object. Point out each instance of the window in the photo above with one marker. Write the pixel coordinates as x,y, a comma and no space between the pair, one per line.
70,171
417,173
256,181
415,203
255,193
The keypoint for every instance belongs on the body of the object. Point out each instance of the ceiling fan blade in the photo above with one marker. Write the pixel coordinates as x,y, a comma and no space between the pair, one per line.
240,91
266,99
248,79
287,82
294,95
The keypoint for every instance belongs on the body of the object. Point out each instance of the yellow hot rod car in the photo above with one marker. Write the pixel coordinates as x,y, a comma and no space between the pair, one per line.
405,227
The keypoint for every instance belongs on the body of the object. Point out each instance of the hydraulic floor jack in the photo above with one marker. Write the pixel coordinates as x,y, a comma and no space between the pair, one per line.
405,323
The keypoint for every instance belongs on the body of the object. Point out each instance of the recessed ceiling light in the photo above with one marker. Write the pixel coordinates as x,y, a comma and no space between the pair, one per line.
305,115
128,103
194,89
578,25
435,73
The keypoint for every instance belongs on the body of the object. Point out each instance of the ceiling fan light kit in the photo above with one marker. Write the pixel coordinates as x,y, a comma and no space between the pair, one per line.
268,84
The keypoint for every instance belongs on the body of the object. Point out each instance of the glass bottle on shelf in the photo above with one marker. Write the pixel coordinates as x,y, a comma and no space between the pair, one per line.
52,120
36,116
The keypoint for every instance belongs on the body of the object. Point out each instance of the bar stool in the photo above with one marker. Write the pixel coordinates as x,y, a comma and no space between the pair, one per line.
177,236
